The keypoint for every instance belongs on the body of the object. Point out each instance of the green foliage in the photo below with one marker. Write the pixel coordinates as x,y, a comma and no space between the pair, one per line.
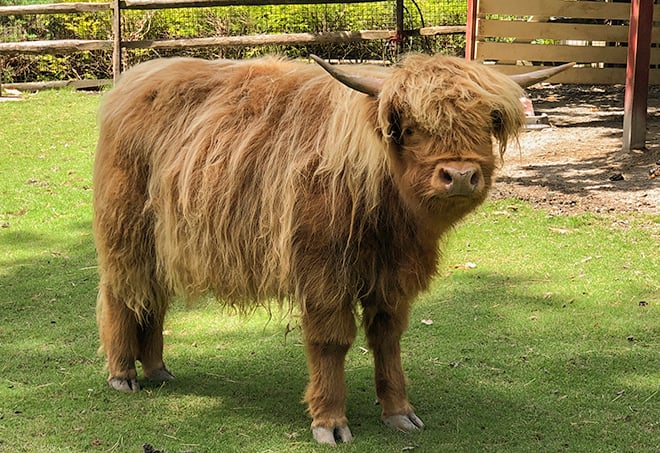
547,341
226,21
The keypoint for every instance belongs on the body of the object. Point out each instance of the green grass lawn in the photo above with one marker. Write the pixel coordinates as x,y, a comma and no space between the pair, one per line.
549,340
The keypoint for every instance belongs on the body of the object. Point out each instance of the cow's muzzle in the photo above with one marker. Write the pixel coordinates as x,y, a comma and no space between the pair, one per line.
458,179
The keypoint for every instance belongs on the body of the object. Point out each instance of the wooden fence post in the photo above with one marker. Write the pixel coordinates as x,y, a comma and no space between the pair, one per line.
637,74
116,39
399,36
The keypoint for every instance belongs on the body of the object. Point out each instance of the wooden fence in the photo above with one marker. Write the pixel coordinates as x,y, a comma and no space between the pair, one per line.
118,43
516,33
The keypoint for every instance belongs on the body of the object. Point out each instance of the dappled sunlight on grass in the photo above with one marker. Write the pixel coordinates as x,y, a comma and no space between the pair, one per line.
539,334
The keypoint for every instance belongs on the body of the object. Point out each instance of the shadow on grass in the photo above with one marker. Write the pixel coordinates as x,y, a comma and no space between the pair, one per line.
478,380
480,377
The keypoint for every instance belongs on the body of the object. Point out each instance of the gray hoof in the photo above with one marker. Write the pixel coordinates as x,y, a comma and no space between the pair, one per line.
161,375
330,436
124,385
405,422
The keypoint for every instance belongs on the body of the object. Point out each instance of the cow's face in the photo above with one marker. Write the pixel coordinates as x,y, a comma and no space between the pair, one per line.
437,175
441,119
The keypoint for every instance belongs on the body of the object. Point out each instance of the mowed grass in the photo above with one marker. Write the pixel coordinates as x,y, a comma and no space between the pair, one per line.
540,334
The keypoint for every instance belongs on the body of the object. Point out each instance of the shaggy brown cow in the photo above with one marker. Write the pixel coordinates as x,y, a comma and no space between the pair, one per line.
268,179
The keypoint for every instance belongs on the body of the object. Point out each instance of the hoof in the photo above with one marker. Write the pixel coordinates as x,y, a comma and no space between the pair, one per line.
161,375
124,385
330,436
406,422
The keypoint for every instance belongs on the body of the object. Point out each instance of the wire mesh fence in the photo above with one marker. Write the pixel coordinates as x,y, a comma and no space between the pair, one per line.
228,21
319,18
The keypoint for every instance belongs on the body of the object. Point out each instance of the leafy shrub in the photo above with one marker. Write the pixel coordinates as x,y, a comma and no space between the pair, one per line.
208,22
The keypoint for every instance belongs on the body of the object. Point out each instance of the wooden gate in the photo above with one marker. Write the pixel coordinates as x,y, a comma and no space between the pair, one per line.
515,34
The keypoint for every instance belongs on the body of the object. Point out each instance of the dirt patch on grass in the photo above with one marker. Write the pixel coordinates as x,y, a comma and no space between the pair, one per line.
577,164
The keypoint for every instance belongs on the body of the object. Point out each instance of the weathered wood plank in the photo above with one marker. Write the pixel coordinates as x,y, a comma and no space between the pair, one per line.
53,47
260,40
562,8
439,30
77,84
72,45
161,4
117,64
54,8
562,53
546,30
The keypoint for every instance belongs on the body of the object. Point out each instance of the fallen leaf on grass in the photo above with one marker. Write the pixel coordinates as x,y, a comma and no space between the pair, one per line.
19,213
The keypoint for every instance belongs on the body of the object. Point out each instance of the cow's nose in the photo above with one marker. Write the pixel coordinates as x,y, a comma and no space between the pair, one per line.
459,178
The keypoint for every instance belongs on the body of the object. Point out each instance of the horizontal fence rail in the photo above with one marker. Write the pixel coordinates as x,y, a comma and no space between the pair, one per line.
518,33
119,42
79,45
162,4
514,34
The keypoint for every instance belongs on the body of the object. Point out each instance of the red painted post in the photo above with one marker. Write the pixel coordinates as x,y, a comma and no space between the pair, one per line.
637,74
471,29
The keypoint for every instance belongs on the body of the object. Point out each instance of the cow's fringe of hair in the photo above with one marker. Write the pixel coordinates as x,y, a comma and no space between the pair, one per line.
226,154
472,96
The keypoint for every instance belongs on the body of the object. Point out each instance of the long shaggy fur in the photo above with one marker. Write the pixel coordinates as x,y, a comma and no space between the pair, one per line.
266,179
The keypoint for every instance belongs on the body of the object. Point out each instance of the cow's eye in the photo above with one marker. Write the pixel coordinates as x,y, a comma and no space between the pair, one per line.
497,120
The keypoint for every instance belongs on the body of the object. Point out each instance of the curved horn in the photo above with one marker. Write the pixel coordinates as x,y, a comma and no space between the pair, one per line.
363,84
530,78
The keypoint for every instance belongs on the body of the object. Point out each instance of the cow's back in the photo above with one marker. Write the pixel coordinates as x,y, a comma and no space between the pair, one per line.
213,158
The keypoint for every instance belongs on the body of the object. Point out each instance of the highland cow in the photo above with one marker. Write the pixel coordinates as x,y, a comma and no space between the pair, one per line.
269,180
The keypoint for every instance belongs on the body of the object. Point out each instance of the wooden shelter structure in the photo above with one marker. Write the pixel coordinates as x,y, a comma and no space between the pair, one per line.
612,42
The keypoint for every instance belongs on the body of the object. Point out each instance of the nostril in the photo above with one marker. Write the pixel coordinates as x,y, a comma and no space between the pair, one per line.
474,180
445,176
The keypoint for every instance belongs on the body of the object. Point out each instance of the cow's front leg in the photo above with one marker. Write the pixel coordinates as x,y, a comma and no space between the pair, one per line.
328,336
384,329
150,335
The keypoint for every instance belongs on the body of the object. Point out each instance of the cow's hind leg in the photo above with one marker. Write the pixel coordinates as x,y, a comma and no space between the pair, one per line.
328,336
384,329
132,300
128,335
118,329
